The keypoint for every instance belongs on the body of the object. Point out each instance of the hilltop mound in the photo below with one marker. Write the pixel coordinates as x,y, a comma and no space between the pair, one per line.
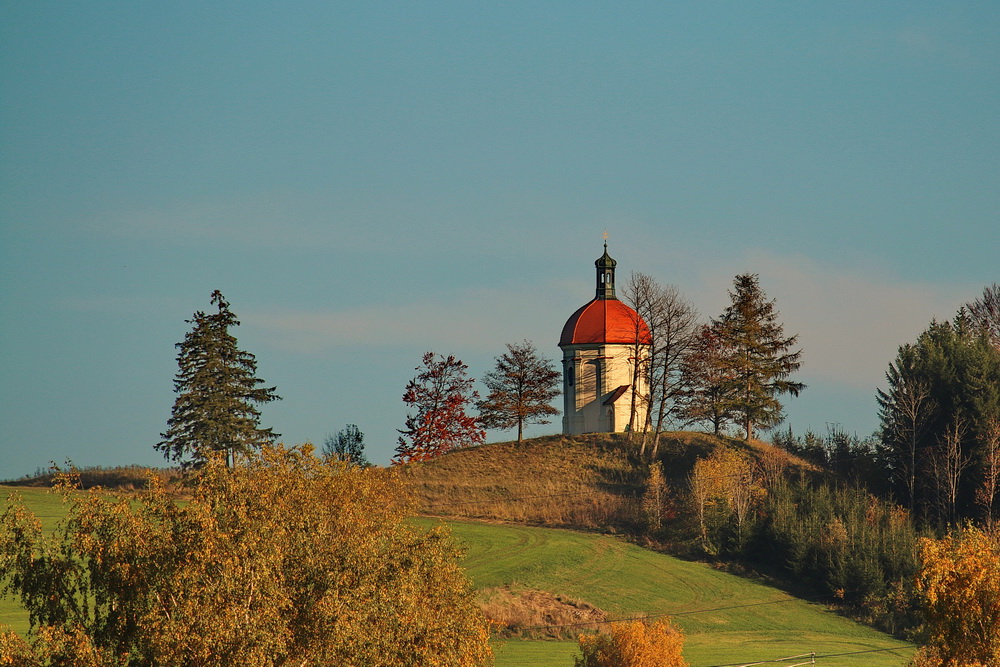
592,481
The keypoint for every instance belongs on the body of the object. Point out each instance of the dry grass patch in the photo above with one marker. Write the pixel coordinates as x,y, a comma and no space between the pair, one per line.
582,482
591,482
534,614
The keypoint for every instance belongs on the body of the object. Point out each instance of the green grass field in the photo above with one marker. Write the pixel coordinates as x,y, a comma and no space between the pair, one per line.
49,508
42,502
726,619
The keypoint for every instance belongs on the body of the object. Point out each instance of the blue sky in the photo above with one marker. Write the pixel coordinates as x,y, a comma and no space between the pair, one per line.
368,181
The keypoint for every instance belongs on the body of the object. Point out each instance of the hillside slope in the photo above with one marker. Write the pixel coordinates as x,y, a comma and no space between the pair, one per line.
726,619
592,481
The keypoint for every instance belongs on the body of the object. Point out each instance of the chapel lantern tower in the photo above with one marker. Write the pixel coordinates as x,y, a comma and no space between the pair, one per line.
605,275
605,344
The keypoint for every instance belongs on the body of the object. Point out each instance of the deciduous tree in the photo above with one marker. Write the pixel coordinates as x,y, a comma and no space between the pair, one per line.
439,395
347,445
948,464
673,329
724,486
654,498
285,560
634,644
990,467
985,312
218,392
522,386
959,580
905,411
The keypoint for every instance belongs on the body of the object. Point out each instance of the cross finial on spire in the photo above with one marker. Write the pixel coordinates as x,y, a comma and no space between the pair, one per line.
605,237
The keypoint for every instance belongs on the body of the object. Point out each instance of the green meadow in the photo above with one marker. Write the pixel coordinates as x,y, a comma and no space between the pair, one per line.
726,619
48,507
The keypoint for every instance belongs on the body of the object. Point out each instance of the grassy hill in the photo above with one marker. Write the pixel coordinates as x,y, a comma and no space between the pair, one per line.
726,619
592,481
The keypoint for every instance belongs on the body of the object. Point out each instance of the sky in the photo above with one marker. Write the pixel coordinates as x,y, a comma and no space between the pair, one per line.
365,182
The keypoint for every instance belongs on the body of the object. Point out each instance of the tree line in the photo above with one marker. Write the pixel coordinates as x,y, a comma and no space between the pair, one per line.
940,417
128,583
729,371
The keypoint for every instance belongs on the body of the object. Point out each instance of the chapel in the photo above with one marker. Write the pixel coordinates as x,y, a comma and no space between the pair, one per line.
603,342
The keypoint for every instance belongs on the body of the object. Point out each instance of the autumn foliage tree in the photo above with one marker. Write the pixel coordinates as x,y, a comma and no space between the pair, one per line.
655,499
439,396
522,386
706,381
959,580
724,487
286,560
634,644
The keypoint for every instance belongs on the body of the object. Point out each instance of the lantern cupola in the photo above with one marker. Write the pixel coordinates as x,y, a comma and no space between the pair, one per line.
605,275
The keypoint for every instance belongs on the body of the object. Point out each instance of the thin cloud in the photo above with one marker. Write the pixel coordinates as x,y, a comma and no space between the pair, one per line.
481,319
851,322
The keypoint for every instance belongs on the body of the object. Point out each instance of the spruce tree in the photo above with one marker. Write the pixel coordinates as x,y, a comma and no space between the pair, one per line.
217,394
758,358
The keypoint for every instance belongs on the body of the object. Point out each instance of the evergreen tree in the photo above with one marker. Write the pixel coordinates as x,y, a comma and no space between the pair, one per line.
440,393
758,358
940,417
217,394
522,386
906,411
348,446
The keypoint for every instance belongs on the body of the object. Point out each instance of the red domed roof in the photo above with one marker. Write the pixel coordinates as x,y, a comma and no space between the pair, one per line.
604,321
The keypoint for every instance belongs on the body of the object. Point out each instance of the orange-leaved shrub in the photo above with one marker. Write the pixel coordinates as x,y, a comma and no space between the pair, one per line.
634,644
959,581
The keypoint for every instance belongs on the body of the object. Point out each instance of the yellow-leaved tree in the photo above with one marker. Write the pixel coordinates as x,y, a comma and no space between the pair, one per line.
285,560
959,581
634,644
724,487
